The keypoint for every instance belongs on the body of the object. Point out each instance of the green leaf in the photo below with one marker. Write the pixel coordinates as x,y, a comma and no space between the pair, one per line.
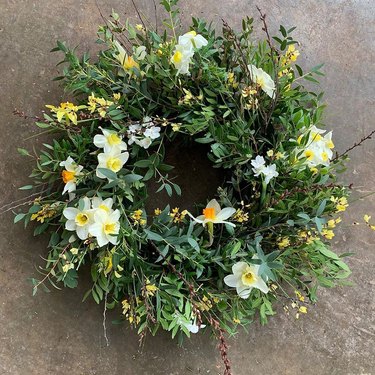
153,236
130,178
328,253
143,163
23,152
18,218
108,173
26,187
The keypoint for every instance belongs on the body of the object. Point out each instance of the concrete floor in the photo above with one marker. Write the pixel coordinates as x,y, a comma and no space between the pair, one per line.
55,333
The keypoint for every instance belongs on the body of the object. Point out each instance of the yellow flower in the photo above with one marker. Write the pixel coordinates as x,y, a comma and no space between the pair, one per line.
116,96
299,296
66,110
139,27
342,204
47,211
237,321
241,216
151,289
176,127
279,155
285,242
331,223
99,104
74,250
367,218
125,306
314,170
157,211
130,63
270,153
178,216
328,234
303,309
372,227
137,217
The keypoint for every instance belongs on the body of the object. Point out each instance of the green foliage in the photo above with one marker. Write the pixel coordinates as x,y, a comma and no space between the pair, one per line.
164,269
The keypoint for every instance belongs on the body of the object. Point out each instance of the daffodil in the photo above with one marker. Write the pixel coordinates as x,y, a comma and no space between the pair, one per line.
214,214
192,40
109,140
318,148
113,160
260,168
106,227
244,278
181,58
126,61
98,203
79,220
69,174
263,80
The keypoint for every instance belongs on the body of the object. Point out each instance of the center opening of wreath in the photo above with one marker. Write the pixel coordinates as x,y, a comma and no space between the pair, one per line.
193,172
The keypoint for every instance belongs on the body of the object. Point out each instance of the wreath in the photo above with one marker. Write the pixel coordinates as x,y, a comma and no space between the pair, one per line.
263,237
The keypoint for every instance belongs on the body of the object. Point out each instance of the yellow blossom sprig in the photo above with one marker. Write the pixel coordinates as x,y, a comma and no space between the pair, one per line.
100,105
137,217
67,111
367,219
341,203
241,216
178,216
46,212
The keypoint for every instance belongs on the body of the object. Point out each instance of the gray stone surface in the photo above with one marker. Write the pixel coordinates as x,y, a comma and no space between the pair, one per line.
54,333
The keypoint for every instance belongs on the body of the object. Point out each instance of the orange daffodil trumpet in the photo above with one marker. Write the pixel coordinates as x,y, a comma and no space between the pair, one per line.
244,278
69,174
185,49
214,214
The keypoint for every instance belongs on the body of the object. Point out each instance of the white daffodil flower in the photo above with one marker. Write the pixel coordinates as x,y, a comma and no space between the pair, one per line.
192,40
269,172
69,174
245,277
153,132
193,327
98,203
181,58
259,167
263,80
214,214
106,227
109,140
113,160
318,149
145,142
79,220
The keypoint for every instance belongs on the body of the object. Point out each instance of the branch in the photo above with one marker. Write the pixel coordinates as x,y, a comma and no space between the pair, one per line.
356,144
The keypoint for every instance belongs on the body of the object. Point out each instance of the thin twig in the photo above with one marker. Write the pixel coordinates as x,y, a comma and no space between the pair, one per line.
356,144
105,315
15,204
53,267
272,48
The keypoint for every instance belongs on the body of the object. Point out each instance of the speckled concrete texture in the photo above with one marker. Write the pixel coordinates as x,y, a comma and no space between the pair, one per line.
54,333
